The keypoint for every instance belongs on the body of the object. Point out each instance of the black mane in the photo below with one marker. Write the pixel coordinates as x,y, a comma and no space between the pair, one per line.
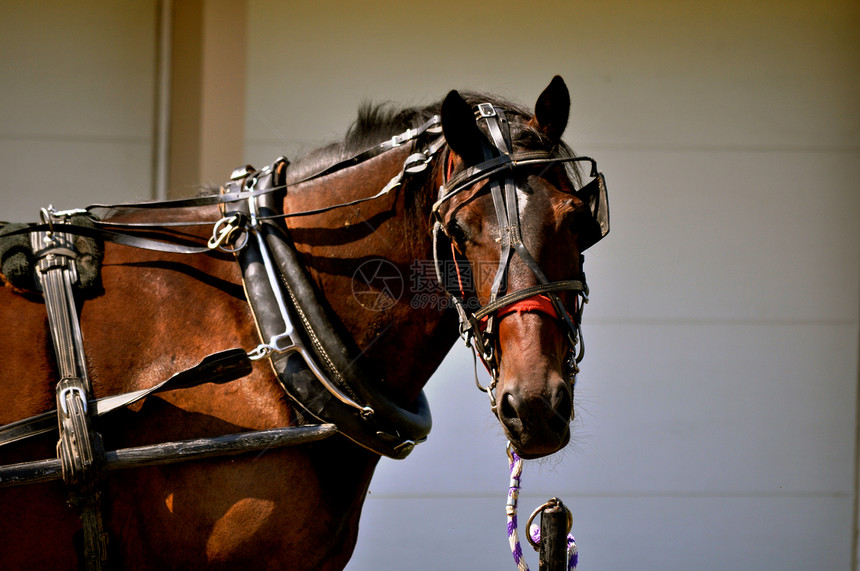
376,123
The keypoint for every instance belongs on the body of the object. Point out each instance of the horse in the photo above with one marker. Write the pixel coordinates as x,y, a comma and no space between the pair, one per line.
475,194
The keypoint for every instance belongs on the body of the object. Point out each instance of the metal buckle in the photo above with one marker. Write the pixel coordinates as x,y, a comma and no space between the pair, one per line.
398,140
69,390
277,344
486,110
405,447
224,234
241,172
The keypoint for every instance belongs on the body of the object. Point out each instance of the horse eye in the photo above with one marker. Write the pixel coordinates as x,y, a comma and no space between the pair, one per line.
576,212
582,225
456,233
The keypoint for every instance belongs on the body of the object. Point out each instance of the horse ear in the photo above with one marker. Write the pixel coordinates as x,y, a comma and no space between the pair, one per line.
461,130
552,109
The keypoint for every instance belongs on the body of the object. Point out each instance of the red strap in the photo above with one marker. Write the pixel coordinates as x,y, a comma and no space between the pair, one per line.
536,304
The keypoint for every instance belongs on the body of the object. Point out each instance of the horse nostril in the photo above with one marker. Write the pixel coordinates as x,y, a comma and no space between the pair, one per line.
508,409
509,414
537,422
563,407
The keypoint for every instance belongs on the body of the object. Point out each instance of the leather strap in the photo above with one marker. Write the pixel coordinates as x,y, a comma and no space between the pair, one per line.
323,376
118,238
529,292
469,176
432,125
80,447
220,367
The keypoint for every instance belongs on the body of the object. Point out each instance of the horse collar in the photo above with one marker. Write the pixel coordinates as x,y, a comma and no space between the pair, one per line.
311,362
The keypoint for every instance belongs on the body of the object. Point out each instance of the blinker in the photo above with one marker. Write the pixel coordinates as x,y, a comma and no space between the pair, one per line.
596,199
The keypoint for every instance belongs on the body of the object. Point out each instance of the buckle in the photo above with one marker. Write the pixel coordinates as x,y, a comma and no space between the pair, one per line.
64,394
241,172
398,140
486,110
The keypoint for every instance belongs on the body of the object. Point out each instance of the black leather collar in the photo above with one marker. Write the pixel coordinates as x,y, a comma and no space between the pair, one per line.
379,423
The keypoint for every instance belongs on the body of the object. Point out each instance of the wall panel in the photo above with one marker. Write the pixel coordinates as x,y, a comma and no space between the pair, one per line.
77,104
716,406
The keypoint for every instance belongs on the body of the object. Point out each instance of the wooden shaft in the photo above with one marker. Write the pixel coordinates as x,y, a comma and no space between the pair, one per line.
553,533
41,471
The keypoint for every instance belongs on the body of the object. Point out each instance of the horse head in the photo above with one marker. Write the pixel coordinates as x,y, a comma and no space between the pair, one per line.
512,213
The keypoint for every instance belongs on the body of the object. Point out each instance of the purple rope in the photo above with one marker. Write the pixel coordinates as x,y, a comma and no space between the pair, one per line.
572,553
516,465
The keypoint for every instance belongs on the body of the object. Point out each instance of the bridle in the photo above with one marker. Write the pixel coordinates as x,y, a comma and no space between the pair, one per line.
479,328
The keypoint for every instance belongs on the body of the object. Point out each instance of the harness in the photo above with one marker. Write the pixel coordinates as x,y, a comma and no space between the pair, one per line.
80,448
314,366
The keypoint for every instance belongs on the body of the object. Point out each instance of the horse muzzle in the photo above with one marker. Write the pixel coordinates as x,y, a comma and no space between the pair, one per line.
534,397
536,423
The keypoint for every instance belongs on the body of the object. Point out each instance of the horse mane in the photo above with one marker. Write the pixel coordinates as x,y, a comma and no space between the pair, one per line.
377,122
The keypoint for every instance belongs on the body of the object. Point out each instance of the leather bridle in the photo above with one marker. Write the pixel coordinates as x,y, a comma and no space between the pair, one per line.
479,328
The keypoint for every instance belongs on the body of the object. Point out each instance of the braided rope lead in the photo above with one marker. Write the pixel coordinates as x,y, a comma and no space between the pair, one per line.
516,465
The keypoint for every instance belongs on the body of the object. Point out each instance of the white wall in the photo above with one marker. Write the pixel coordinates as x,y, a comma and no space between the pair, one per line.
76,103
717,407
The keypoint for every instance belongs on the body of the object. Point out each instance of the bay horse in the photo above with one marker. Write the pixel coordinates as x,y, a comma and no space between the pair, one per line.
479,190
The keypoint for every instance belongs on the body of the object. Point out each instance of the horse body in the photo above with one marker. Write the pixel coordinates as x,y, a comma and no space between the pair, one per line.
158,313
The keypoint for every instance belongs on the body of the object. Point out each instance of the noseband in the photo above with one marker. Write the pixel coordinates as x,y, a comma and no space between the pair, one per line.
479,329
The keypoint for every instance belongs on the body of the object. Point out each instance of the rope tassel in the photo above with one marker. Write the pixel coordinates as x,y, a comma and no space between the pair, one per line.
516,466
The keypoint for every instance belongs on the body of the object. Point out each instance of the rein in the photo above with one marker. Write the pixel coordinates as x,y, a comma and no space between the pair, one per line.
414,163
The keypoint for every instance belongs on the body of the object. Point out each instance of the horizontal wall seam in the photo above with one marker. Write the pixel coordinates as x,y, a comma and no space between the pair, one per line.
565,495
76,139
643,147
717,322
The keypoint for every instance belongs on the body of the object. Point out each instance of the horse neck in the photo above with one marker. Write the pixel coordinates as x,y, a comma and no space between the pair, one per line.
370,261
